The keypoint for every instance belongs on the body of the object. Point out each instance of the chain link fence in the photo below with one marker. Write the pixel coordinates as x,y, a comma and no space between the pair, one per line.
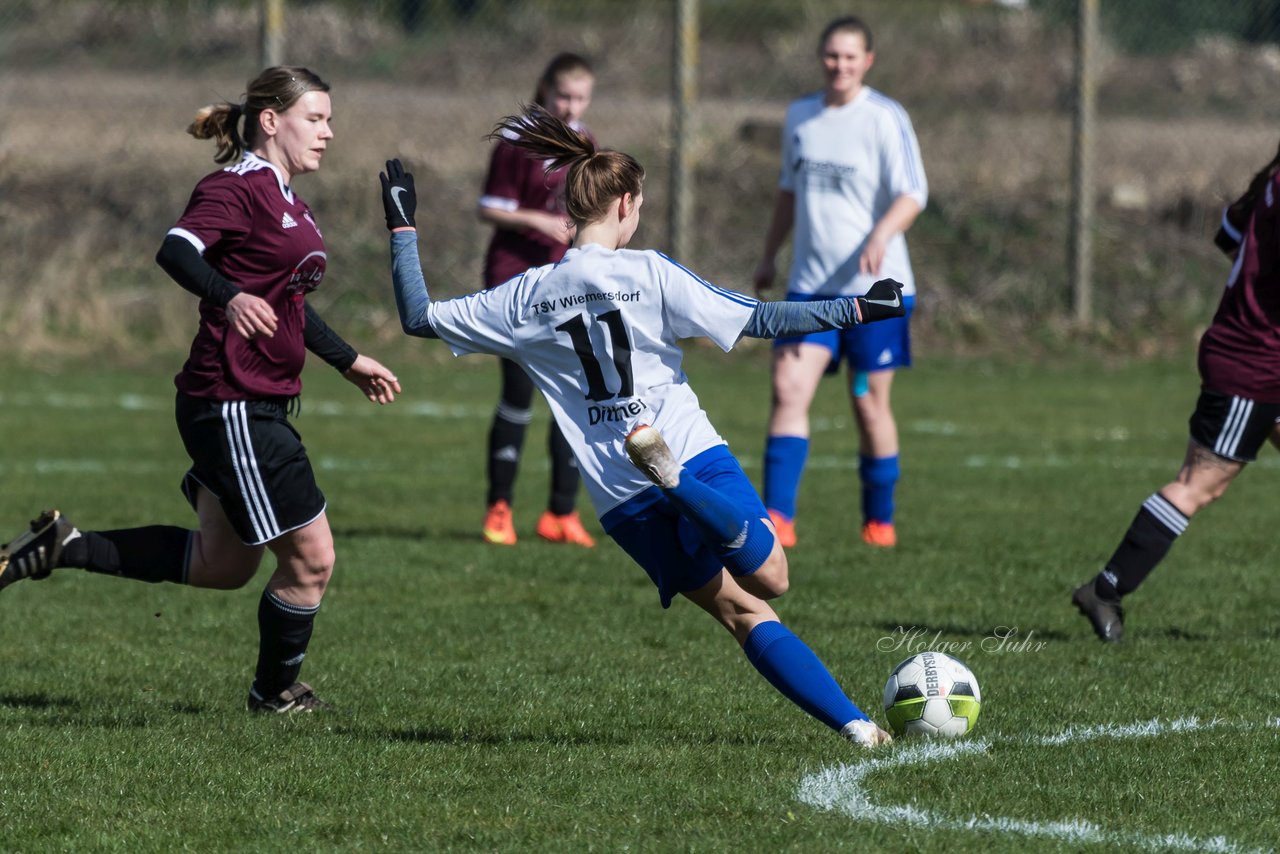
94,164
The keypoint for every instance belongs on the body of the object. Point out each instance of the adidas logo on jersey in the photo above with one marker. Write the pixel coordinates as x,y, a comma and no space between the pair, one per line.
287,221
886,356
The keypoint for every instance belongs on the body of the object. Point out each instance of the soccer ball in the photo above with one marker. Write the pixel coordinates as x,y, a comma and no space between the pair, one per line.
931,694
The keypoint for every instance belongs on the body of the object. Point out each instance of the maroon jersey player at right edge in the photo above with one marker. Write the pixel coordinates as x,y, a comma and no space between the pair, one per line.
1237,410
524,202
251,249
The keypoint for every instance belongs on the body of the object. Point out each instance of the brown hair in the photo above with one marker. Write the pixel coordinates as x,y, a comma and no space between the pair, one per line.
847,24
562,63
277,88
596,176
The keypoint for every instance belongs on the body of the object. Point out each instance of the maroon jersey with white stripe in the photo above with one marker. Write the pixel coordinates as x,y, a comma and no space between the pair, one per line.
1240,352
516,180
251,227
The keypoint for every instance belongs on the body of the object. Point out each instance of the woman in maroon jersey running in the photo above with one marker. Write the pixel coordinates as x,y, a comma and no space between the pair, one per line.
1238,407
251,250
525,205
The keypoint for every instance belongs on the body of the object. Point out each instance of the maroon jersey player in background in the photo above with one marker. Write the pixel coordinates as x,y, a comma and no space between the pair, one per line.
1237,410
525,204
251,250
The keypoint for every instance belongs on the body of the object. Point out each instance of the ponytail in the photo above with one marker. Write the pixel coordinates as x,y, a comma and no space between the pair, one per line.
219,122
596,176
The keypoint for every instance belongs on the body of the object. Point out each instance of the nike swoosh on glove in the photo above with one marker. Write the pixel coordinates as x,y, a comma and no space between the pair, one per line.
399,199
882,301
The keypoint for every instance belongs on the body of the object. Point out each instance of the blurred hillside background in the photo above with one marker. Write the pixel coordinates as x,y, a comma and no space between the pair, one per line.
95,165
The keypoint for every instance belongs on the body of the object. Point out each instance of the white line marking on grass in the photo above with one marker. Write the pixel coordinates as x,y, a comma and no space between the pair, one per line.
88,465
1136,730
138,402
843,789
116,467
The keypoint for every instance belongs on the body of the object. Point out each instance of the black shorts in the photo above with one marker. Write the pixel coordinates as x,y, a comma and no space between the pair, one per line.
1232,427
251,459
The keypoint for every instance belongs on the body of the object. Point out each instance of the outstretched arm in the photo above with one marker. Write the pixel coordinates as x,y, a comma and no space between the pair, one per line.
399,203
776,319
412,297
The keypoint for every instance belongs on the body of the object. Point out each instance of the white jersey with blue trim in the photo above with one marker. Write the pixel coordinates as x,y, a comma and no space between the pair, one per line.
597,332
846,166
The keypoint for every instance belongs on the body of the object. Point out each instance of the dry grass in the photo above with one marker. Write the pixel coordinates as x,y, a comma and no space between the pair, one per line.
97,168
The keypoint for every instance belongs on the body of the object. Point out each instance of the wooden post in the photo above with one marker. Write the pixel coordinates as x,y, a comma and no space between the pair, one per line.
684,94
1083,140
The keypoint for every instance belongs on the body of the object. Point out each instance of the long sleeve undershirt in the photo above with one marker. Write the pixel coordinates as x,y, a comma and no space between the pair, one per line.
768,320
186,266
777,319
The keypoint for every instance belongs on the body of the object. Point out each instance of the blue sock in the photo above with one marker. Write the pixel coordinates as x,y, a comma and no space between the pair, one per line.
879,477
799,675
784,459
743,543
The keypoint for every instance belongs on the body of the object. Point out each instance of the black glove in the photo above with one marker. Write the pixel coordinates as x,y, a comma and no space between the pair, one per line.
399,200
882,301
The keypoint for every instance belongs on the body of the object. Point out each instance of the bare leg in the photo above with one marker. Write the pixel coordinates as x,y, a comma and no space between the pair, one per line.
219,560
771,580
1203,478
877,429
797,370
304,563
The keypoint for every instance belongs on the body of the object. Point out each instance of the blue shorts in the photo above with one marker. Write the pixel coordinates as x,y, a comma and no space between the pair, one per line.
669,547
879,346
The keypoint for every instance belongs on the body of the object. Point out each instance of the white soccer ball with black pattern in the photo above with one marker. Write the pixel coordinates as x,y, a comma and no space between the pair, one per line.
932,694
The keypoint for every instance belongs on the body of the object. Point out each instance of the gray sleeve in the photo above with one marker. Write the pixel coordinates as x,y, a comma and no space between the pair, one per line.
776,319
412,298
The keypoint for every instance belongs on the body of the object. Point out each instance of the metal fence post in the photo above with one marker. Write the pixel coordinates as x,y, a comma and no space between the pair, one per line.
684,92
272,33
1083,139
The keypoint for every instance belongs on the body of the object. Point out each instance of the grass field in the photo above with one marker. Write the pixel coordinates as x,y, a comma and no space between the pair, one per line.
538,698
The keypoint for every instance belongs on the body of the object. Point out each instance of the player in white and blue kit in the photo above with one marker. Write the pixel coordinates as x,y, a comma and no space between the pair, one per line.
597,332
852,183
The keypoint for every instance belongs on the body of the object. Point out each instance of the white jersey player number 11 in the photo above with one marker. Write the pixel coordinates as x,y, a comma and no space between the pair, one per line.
576,328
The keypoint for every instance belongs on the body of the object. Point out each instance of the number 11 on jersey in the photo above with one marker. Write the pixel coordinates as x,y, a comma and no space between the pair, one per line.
576,328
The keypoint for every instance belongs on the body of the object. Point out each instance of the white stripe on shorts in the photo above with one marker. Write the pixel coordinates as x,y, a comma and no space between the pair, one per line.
1237,418
1168,515
252,490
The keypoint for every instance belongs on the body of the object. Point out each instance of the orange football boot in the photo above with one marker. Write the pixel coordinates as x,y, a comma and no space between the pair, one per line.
564,529
879,534
499,526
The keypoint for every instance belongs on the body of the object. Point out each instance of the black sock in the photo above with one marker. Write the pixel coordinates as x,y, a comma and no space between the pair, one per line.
506,436
284,630
564,473
1145,544
153,554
